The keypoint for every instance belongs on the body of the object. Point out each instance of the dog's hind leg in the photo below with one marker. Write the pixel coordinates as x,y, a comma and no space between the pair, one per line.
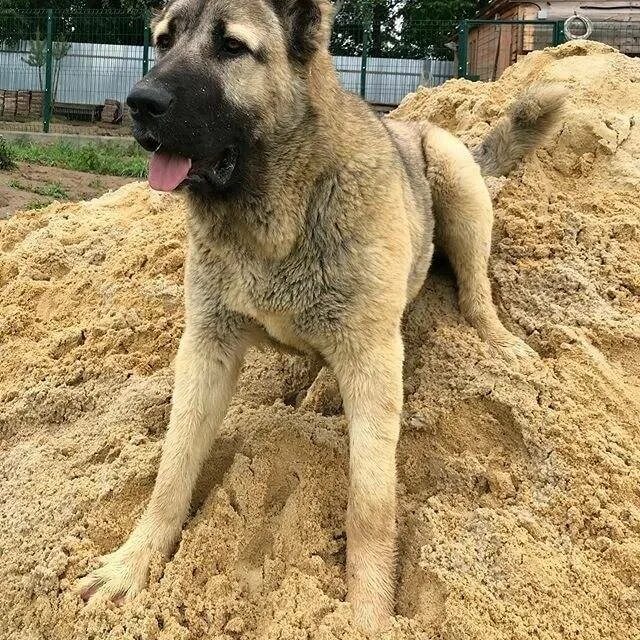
464,219
206,371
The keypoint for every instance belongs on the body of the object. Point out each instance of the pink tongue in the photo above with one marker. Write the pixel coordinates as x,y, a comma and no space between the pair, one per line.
166,172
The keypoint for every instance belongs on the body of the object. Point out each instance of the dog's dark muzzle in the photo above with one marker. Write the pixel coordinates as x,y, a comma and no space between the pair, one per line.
150,107
148,102
175,118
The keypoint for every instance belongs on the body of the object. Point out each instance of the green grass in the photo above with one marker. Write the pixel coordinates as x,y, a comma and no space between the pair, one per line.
53,190
7,161
103,159
34,204
50,189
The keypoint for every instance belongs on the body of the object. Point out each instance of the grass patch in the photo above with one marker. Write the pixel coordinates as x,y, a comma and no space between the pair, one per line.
53,190
7,160
104,159
35,204
50,189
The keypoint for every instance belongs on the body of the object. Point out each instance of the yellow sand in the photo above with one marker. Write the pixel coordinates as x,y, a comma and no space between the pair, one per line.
519,494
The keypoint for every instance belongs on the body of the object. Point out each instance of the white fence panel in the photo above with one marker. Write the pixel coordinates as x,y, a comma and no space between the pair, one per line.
389,80
15,74
91,73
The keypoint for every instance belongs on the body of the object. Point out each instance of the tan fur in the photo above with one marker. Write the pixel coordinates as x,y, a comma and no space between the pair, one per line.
344,242
464,218
526,126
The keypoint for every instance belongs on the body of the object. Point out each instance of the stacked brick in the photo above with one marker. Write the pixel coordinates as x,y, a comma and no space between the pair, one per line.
127,120
20,105
9,100
37,103
24,105
112,112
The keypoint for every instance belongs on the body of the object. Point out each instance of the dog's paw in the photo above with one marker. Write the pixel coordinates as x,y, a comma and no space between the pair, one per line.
120,577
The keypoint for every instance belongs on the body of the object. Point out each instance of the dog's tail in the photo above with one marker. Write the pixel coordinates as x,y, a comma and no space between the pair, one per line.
524,128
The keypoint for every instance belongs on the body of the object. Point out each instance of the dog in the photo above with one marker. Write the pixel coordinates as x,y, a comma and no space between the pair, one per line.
311,225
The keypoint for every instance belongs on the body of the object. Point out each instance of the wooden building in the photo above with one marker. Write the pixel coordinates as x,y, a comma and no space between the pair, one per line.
493,47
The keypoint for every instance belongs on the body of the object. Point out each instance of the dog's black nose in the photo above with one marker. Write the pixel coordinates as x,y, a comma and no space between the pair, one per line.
148,101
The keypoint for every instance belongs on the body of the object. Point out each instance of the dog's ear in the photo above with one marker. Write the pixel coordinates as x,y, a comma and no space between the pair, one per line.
307,24
156,17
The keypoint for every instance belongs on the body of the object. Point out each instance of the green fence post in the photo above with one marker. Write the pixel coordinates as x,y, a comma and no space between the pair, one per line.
558,33
48,77
146,41
363,61
463,47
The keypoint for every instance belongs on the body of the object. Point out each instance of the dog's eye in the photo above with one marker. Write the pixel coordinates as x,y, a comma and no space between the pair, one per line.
234,47
163,42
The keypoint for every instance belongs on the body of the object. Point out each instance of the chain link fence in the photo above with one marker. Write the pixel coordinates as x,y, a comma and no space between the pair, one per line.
22,88
71,73
383,67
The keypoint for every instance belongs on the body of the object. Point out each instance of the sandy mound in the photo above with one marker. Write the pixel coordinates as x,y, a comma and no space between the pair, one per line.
519,490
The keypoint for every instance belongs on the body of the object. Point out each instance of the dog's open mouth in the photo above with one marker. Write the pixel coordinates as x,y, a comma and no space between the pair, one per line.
169,171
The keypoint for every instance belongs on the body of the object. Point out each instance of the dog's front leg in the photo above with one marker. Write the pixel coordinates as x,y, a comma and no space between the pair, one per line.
206,372
369,373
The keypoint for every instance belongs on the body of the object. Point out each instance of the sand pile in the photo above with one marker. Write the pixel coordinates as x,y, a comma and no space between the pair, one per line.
519,489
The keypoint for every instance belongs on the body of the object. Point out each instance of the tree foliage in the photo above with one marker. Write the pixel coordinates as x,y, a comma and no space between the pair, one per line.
37,58
395,28
400,28
120,21
78,6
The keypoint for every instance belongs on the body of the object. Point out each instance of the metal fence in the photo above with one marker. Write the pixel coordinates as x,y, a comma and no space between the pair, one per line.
385,62
624,36
72,72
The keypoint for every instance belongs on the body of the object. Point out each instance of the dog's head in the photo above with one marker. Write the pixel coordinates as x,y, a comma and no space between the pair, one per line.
229,74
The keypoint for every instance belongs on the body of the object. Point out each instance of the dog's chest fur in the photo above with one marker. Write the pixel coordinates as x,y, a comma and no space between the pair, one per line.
299,295
278,296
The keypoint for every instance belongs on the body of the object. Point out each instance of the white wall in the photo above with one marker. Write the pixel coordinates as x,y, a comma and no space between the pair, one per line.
91,73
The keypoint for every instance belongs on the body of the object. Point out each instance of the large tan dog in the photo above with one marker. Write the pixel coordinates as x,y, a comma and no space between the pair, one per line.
310,225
